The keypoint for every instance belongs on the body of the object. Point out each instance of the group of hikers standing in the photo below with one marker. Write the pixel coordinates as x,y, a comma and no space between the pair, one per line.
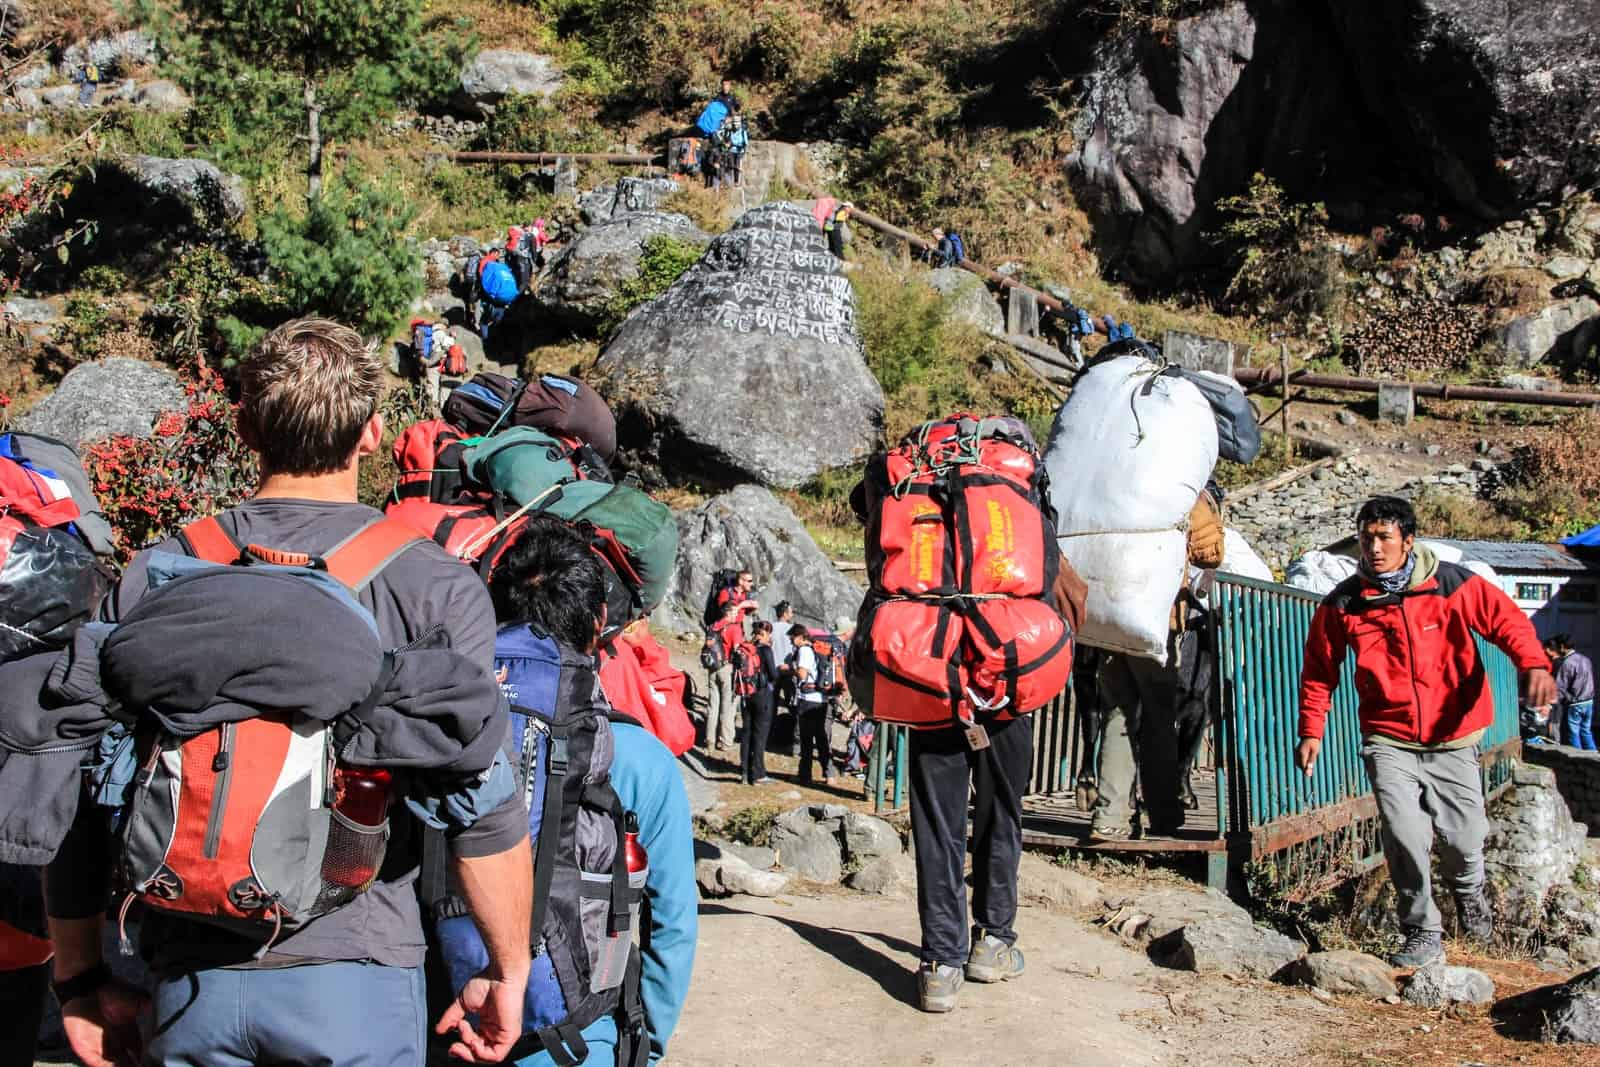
725,140
783,681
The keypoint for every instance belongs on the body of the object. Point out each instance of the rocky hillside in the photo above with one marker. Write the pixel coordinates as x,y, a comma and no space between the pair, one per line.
1398,188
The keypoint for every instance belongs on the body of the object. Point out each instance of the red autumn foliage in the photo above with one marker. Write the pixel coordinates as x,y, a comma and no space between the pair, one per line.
192,464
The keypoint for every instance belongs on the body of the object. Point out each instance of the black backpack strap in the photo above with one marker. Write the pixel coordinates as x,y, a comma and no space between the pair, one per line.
633,1030
564,1044
550,829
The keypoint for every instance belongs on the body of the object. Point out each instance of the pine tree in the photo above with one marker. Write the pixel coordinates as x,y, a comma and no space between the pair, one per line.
350,61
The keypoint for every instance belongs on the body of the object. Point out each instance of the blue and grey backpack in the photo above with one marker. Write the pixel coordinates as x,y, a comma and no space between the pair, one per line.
586,903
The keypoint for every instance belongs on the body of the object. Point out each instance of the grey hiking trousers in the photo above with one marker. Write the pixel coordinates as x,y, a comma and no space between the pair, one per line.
1421,795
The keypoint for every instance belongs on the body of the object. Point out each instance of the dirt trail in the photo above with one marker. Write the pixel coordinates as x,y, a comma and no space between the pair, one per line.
828,979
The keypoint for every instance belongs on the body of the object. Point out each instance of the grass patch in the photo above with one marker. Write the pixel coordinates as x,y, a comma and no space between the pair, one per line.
752,825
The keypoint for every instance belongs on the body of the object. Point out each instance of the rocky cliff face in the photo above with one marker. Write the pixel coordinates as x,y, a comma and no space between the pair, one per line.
1465,107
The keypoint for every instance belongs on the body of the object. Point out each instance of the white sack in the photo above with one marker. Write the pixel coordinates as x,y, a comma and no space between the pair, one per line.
1318,571
1239,558
1451,554
1125,470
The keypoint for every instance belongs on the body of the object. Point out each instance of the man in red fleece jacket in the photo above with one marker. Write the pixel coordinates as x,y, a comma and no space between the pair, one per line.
1425,704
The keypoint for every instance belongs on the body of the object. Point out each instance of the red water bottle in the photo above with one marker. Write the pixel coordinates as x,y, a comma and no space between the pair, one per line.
638,858
361,796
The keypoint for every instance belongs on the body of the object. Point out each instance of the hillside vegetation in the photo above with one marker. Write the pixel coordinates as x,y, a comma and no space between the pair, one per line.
964,113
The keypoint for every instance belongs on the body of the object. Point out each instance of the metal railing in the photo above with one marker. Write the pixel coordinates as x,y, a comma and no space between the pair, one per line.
1260,630
1056,751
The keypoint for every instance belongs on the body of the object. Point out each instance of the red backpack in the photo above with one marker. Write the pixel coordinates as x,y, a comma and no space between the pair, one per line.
428,456
746,668
244,825
961,556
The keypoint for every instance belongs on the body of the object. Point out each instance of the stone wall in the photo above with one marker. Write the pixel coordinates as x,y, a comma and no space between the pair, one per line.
1577,778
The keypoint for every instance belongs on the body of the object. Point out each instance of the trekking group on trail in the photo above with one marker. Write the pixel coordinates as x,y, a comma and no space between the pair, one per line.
341,773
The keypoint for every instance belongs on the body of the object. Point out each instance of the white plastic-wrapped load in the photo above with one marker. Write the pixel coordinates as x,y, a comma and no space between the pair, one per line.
1239,558
1451,554
1129,453
1318,572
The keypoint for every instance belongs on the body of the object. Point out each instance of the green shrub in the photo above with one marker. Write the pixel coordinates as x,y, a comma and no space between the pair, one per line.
1284,261
347,256
665,258
523,123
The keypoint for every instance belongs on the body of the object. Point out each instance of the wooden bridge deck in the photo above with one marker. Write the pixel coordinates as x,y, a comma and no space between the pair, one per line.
1054,821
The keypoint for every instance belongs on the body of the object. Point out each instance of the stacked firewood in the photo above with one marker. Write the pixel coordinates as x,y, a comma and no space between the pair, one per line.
1429,335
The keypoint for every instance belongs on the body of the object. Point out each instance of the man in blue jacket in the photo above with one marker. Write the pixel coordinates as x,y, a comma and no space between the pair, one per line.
550,579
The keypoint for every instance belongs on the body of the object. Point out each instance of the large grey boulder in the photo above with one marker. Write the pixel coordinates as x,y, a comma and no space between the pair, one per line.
1227,946
967,300
113,53
1498,101
1474,106
112,396
1145,134
12,179
752,529
162,95
589,273
496,73
1439,985
749,368
211,197
1530,339
1532,848
1346,972
628,195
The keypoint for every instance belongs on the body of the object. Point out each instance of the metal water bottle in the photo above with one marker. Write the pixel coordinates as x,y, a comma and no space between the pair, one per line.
361,797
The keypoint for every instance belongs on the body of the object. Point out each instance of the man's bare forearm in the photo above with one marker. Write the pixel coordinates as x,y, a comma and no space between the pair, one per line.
77,946
499,891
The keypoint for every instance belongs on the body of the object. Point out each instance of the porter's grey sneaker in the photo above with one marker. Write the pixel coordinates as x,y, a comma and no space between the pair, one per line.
1475,917
937,986
992,960
1421,948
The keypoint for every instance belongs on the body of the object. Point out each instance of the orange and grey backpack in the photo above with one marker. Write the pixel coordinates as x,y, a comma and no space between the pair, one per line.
244,825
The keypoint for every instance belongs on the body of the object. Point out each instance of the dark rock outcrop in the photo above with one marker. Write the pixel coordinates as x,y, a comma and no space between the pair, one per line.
751,528
1455,107
749,367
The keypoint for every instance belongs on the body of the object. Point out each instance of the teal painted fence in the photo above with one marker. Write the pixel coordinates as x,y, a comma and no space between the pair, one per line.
1264,804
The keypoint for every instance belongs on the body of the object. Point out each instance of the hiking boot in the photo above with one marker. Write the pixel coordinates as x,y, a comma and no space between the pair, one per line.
1421,948
937,986
1474,917
992,960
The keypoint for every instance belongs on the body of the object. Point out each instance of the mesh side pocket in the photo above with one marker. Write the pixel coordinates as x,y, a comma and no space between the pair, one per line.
608,953
351,861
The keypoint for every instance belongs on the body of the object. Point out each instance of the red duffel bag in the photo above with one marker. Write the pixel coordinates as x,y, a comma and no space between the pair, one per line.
1020,654
962,560
905,666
